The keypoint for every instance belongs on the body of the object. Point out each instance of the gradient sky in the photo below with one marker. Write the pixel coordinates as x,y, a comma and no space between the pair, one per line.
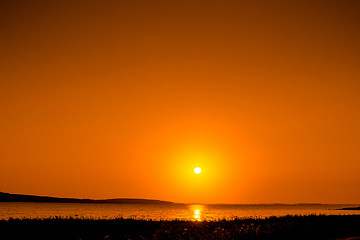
105,99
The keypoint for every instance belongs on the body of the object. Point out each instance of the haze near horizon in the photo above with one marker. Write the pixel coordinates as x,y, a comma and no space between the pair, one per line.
111,99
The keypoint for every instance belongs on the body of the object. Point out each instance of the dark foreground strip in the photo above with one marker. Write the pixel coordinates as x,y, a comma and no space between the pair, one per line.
352,238
288,227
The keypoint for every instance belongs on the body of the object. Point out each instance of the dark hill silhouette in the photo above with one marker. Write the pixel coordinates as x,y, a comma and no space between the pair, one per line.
8,197
353,208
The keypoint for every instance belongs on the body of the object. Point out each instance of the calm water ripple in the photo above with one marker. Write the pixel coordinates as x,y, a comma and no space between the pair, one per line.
164,212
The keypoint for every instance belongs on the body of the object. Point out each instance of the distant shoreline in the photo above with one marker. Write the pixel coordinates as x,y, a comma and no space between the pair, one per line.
8,197
355,208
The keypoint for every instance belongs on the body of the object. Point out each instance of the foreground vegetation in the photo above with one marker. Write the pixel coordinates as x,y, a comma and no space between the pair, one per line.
288,227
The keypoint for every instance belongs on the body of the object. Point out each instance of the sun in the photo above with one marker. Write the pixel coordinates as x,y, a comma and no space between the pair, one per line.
197,170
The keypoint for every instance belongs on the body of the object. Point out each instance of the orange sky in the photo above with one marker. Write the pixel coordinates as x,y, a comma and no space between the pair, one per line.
104,99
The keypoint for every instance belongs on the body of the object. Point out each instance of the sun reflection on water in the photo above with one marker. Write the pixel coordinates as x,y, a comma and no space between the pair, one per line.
197,215
197,212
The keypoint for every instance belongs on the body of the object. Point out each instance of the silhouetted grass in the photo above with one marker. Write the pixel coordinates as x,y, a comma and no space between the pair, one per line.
288,227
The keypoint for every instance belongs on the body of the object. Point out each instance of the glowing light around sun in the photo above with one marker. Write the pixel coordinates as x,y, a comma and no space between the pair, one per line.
197,170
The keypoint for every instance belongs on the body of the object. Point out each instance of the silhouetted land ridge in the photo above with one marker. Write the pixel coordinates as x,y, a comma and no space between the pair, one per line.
7,197
353,208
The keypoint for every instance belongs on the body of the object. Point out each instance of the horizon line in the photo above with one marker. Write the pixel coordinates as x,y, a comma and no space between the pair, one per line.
171,202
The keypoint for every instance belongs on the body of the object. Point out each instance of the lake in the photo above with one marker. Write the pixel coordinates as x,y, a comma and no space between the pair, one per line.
164,212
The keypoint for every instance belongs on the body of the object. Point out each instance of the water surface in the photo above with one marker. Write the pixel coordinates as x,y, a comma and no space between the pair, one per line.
164,212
